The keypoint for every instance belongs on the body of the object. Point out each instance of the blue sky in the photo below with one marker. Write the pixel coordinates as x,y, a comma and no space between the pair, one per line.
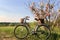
13,10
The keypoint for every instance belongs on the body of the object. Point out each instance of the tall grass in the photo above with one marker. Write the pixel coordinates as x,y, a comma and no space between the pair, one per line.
8,32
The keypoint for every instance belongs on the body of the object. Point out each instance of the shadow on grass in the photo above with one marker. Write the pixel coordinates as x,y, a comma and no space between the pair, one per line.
53,36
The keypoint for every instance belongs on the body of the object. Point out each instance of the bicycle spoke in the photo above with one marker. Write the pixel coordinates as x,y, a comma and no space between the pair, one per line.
20,32
43,32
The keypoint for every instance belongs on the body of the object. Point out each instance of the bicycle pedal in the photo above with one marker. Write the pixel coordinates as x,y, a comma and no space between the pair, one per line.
34,33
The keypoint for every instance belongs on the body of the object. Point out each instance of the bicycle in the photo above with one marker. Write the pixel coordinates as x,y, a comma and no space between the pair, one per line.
41,31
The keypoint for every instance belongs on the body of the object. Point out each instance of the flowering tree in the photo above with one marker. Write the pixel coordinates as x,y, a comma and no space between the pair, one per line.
43,9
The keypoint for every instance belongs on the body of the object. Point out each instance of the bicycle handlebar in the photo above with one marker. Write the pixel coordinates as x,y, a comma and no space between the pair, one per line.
26,18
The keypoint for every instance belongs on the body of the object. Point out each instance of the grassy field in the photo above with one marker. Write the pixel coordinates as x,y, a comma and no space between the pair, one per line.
6,33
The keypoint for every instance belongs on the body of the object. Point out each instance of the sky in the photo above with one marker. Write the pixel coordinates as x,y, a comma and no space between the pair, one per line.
13,10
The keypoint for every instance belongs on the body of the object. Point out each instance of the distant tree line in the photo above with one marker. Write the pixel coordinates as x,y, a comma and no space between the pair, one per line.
8,24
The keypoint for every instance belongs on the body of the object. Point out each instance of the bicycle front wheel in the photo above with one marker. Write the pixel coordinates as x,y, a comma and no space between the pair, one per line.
43,32
21,31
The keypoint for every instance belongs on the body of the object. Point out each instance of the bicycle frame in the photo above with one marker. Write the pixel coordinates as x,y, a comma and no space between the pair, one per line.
25,23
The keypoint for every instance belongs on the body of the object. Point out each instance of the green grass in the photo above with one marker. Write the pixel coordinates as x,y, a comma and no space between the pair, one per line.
8,31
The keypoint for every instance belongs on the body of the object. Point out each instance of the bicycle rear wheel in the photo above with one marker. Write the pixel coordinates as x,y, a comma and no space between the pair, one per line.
43,32
21,31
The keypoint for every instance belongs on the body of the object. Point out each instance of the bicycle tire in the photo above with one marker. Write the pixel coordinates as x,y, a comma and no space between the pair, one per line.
24,36
43,32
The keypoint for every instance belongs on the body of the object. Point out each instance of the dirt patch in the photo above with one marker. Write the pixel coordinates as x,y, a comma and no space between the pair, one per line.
8,38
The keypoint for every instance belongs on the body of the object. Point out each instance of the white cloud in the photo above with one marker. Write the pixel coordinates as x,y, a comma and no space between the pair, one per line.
7,19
